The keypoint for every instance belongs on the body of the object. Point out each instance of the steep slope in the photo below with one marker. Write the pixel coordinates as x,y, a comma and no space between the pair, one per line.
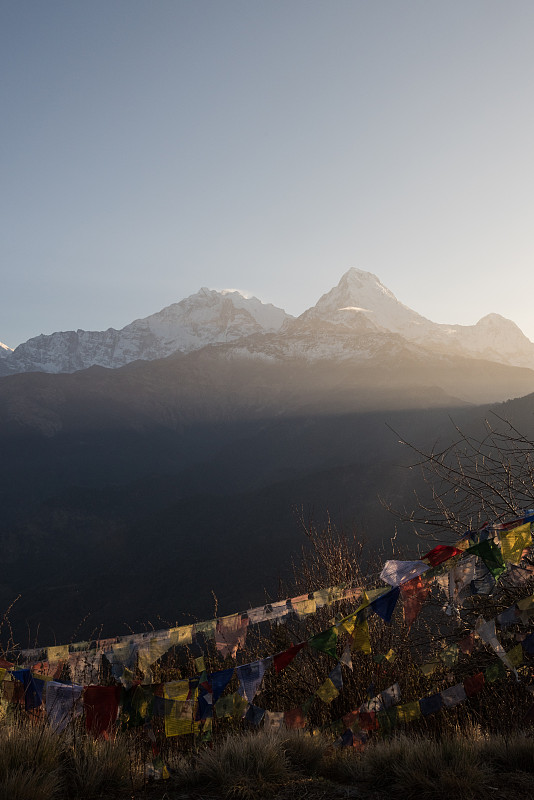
155,548
5,351
257,379
216,508
201,319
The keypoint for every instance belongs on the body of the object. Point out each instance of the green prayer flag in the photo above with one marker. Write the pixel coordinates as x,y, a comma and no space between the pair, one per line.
337,727
429,669
494,672
490,555
206,628
231,705
307,704
136,707
206,733
325,641
449,656
387,719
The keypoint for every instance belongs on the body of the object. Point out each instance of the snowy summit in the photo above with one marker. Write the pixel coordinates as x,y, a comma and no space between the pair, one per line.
353,320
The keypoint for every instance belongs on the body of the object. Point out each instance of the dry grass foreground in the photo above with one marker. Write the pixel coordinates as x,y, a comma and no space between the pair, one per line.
36,764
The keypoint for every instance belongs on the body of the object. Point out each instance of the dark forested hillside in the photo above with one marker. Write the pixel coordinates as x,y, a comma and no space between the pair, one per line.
129,495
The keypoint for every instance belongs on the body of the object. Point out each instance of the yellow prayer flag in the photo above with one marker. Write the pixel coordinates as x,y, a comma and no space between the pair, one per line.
390,655
408,712
200,664
327,691
181,635
149,652
349,622
514,542
372,594
463,544
158,646
526,603
180,716
361,640
57,653
321,597
335,593
42,677
430,668
2,674
303,606
515,656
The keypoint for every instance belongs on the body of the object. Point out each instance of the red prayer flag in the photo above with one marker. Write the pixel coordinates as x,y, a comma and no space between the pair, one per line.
467,645
358,741
440,553
101,704
283,659
368,721
350,718
413,594
295,718
474,684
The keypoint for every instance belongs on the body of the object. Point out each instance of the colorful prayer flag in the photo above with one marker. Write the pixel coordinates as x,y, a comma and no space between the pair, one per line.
408,712
474,684
514,542
490,555
327,691
385,604
180,715
281,660
325,641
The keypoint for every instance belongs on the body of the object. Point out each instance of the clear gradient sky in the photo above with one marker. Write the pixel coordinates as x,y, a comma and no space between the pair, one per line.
152,147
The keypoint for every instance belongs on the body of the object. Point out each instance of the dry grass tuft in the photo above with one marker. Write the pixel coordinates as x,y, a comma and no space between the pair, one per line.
24,783
305,753
514,753
97,766
244,766
30,762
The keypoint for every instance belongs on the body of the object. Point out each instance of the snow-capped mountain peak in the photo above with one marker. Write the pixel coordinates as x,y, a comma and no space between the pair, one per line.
361,294
4,349
361,304
207,317
354,320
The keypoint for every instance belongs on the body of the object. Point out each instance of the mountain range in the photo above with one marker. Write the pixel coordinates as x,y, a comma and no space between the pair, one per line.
142,469
351,321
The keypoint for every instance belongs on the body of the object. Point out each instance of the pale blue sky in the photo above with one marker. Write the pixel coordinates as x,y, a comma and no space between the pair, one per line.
151,148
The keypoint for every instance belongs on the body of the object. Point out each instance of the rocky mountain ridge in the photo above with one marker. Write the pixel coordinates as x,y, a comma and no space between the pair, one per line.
207,317
353,321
